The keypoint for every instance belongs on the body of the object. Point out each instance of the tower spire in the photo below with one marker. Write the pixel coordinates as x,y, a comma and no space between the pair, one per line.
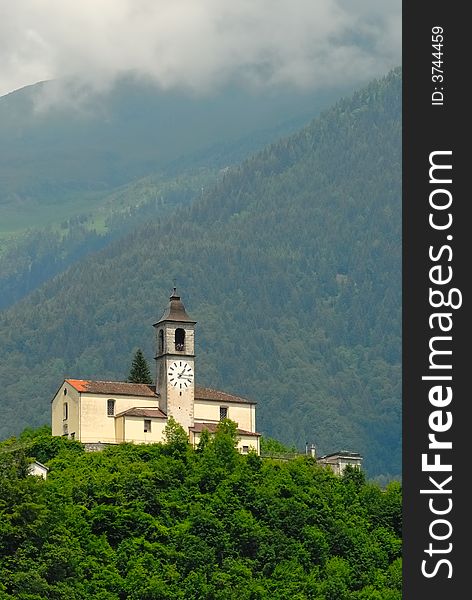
175,310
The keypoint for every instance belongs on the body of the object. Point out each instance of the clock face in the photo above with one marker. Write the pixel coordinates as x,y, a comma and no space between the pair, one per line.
180,374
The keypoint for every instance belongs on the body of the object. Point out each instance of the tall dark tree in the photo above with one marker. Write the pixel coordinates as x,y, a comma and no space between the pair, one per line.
139,372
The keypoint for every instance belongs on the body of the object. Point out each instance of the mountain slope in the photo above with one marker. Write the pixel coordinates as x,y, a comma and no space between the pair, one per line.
58,161
290,265
31,258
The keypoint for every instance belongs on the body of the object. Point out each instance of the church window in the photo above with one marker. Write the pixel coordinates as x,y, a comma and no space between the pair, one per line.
65,391
180,339
223,412
110,408
147,425
65,411
161,342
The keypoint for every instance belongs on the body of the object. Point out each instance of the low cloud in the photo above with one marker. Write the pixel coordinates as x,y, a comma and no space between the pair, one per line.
198,45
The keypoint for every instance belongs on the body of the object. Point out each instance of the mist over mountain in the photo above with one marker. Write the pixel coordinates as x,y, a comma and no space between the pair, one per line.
81,167
291,264
62,159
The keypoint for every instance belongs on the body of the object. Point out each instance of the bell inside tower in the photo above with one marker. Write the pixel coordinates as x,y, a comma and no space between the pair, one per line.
180,339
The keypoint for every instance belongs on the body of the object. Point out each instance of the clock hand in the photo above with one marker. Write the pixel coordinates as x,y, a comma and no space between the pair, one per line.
181,374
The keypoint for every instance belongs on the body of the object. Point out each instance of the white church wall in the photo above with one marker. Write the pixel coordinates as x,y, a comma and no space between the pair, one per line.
132,430
241,413
97,425
247,443
70,425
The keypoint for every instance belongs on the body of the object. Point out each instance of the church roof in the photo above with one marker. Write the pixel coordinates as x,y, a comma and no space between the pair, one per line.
123,388
113,388
151,413
175,311
211,428
204,393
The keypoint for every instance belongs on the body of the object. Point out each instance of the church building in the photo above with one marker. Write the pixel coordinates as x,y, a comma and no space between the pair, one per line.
109,412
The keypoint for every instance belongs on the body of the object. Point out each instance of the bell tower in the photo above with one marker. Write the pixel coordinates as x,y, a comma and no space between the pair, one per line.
175,362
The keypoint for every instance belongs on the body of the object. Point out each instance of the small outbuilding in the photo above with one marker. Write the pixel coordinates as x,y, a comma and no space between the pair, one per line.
338,461
38,469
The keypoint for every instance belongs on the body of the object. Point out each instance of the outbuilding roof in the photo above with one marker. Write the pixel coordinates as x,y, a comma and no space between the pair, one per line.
204,393
342,454
36,462
147,413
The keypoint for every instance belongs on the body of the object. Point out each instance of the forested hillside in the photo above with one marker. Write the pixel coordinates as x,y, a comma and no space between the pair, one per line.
291,266
30,258
165,522
60,164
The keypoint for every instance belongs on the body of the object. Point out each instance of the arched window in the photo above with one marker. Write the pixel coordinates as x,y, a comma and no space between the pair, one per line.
161,342
180,339
65,411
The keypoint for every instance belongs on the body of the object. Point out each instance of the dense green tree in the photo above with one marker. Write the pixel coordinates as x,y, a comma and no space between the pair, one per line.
139,371
272,446
147,521
175,436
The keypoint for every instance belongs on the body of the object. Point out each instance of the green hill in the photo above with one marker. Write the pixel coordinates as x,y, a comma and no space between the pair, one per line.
164,522
291,266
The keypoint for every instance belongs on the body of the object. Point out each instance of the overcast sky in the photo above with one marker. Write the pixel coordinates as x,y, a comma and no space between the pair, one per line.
199,44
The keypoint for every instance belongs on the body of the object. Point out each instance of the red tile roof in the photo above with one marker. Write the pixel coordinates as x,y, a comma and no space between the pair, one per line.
148,413
113,388
203,393
211,427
